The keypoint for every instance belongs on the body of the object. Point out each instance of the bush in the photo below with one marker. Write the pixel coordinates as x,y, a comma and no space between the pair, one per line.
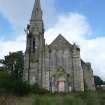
4,76
12,85
35,89
16,86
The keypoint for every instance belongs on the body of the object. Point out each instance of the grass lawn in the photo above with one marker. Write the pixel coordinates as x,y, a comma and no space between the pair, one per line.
87,98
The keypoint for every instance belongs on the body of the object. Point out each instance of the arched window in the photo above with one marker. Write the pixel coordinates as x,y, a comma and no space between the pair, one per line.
34,45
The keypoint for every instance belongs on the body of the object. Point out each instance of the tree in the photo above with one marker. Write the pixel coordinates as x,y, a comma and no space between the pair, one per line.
98,81
14,64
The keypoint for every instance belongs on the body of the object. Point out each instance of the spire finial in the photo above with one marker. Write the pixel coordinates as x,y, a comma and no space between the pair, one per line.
37,12
37,3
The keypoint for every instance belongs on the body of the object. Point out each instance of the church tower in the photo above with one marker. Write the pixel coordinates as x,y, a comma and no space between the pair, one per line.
34,55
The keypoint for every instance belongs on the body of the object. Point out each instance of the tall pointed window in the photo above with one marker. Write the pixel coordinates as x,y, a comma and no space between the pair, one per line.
34,45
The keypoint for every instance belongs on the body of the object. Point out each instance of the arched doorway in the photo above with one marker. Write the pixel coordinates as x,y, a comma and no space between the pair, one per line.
59,80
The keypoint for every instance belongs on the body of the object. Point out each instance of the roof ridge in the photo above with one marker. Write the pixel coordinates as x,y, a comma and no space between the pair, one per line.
60,42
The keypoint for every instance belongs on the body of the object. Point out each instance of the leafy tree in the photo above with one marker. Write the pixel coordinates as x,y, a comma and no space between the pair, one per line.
103,82
1,60
14,63
98,80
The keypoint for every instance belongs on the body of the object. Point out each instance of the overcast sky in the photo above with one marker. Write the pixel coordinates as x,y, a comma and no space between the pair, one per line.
80,21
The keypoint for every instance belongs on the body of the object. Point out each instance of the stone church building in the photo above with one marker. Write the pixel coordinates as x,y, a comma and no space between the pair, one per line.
56,67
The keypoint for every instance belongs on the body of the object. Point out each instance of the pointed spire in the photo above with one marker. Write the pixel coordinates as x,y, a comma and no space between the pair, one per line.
37,2
37,12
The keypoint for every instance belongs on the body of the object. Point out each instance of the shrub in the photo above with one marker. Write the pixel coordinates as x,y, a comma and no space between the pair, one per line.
35,89
12,85
18,87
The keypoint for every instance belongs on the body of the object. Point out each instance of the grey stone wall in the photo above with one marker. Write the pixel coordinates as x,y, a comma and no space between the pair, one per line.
69,60
77,69
88,76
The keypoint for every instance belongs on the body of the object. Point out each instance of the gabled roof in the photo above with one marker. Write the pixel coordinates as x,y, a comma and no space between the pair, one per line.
60,43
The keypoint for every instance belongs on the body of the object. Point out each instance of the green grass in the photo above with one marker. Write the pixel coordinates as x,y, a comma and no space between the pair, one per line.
87,98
